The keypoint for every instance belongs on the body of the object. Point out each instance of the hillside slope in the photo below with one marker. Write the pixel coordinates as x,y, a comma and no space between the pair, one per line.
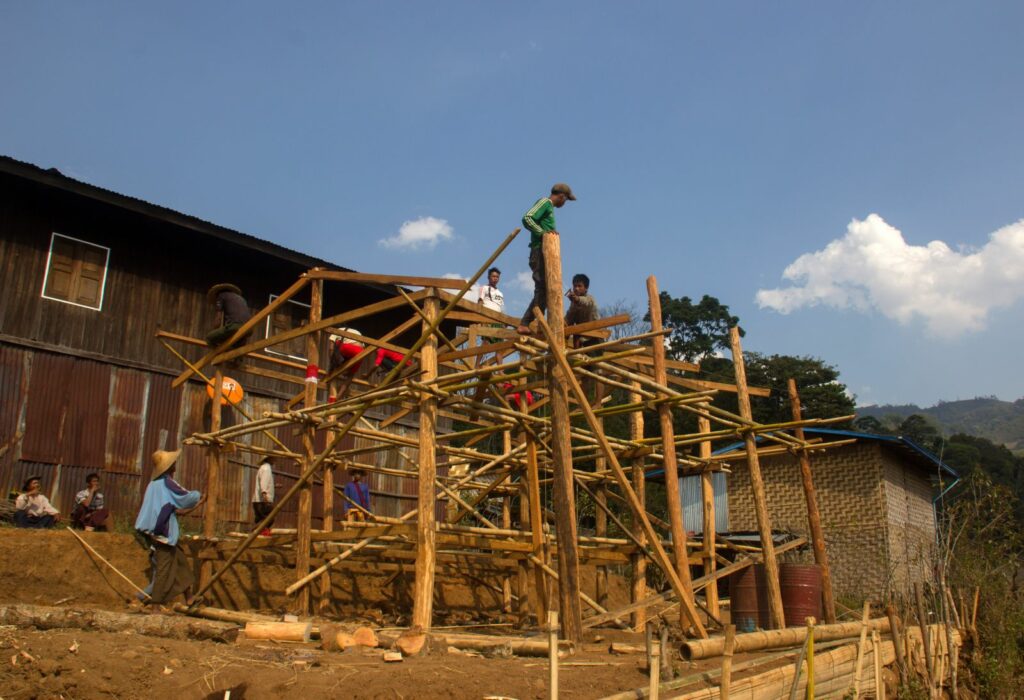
1002,422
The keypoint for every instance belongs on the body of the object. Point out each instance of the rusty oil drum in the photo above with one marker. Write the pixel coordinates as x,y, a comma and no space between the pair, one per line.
801,593
748,599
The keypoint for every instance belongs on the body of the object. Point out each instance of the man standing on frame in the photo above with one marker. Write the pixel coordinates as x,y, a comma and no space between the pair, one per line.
263,495
540,220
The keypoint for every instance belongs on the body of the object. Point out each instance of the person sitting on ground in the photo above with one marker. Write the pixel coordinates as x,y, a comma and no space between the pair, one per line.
582,307
490,296
157,522
90,513
356,491
232,312
32,508
263,495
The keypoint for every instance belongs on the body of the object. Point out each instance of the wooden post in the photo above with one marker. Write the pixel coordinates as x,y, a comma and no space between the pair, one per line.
524,569
726,680
654,668
423,595
810,658
813,516
638,587
571,612
540,584
553,654
922,620
877,656
328,510
764,525
668,442
601,530
304,521
708,497
506,523
897,642
861,648
213,462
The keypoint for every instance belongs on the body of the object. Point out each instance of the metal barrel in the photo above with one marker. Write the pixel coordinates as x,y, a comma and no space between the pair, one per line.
801,592
748,599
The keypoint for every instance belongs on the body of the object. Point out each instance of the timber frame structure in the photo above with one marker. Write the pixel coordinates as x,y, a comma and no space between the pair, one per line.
556,443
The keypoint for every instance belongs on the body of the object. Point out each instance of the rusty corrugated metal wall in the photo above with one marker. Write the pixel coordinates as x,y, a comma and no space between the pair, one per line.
63,417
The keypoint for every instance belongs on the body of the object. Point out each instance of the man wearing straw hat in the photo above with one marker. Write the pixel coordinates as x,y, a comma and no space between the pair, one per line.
158,523
232,310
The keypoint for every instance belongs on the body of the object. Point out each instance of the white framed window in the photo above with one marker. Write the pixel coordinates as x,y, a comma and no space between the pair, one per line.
290,315
76,272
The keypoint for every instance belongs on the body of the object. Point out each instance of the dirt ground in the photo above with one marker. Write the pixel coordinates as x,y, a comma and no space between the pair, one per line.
51,568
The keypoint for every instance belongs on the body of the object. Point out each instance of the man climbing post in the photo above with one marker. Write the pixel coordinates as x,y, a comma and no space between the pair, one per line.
232,312
540,219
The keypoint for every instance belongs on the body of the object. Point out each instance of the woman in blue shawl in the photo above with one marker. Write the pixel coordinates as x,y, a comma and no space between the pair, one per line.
158,523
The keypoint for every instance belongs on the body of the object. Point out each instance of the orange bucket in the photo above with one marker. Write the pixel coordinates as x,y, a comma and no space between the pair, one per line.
231,392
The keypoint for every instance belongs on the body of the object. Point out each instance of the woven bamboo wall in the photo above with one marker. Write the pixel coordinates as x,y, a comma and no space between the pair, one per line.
875,511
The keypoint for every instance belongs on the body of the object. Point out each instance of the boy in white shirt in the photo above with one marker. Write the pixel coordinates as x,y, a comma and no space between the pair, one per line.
490,296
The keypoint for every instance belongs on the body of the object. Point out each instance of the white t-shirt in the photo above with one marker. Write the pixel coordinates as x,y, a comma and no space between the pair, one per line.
492,298
264,482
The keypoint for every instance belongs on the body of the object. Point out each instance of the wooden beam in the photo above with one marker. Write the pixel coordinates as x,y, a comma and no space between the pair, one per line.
668,443
542,602
684,594
426,532
397,280
213,464
304,516
564,497
638,584
764,524
813,515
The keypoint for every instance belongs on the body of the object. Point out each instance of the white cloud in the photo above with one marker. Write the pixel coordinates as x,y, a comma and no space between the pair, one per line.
523,281
872,268
474,292
424,232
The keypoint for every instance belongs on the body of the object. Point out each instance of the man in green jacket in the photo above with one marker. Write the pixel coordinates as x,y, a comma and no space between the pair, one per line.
540,220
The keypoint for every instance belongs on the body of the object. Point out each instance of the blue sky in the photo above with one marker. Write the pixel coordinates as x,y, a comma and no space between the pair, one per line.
873,149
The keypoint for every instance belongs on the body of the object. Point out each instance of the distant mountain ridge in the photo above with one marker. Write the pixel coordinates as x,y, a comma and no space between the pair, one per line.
1002,422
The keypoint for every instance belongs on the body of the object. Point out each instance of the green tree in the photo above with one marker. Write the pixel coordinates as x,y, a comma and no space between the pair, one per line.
698,330
921,431
870,424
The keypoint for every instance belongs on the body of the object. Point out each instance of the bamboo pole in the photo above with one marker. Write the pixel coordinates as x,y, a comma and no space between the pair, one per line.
764,525
542,601
328,511
654,668
213,463
304,516
89,549
668,444
553,654
813,515
423,594
684,593
810,658
922,620
506,522
709,535
695,649
308,474
876,654
897,639
797,670
729,646
564,498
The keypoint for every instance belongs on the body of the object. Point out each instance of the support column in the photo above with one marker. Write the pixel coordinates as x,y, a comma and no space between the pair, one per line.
304,518
523,584
564,494
638,589
764,524
708,497
426,530
328,510
214,457
506,523
813,516
668,443
540,584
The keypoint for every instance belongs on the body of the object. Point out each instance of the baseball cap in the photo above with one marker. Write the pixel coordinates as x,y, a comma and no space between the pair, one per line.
562,188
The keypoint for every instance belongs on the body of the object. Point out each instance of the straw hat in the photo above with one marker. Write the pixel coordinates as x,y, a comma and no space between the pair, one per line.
162,461
216,289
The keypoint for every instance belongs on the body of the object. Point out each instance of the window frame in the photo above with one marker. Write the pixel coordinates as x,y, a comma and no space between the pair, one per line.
267,328
49,261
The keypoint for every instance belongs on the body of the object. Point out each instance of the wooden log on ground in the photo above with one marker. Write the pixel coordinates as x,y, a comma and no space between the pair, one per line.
694,649
411,642
233,616
279,631
166,626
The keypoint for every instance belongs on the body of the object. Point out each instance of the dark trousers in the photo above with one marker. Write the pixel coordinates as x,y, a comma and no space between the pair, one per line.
261,510
172,574
37,522
540,287
218,336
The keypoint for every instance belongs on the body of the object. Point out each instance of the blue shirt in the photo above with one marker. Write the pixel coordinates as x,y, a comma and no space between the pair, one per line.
360,493
164,497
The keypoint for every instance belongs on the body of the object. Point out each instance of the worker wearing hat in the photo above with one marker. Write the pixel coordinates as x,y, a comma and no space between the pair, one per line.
232,312
540,219
157,523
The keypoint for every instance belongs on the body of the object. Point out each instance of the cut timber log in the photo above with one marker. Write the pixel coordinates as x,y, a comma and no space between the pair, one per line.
411,642
279,631
166,626
692,650
365,637
238,618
